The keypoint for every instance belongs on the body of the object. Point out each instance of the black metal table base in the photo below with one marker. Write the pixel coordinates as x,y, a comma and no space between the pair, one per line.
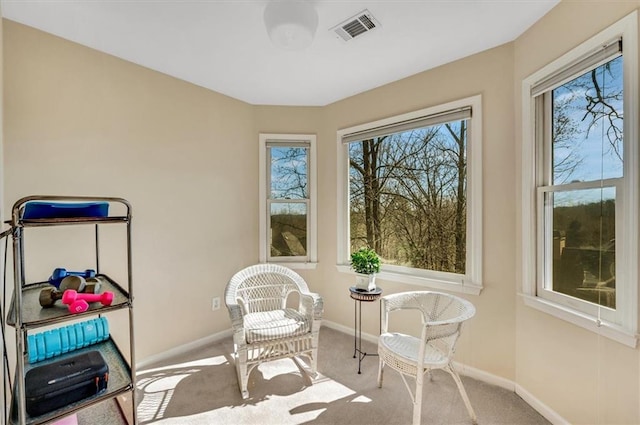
357,323
357,337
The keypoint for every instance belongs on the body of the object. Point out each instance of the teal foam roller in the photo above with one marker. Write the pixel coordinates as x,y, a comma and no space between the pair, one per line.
54,342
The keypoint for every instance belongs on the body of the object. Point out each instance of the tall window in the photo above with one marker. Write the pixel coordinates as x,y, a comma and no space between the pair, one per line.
586,201
408,191
287,198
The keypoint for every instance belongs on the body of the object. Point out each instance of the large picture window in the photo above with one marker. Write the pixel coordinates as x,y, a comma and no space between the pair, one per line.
408,192
584,155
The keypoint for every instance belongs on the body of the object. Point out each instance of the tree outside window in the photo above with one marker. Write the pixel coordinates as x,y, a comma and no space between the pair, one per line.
407,193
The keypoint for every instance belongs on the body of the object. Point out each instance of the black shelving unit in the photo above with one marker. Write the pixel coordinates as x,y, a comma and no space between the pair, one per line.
26,315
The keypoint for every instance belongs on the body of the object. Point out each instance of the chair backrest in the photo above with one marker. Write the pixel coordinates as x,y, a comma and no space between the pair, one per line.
263,287
442,315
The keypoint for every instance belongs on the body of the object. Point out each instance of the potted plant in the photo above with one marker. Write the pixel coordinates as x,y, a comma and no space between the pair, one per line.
366,263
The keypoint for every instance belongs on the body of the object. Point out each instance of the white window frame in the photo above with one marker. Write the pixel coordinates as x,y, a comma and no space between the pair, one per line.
311,260
471,281
623,325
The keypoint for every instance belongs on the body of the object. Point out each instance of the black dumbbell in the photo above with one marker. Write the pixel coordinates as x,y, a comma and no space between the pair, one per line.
77,283
93,286
50,295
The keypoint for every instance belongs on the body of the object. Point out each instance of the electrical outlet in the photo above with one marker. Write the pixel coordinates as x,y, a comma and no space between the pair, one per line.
215,303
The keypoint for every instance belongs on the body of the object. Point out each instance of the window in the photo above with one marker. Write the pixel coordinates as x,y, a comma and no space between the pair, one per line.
410,188
582,152
288,199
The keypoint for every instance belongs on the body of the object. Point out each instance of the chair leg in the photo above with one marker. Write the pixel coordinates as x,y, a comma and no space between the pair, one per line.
310,370
380,372
241,369
417,399
314,363
463,393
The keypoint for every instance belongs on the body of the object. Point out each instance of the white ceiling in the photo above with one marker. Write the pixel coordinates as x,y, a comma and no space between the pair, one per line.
222,44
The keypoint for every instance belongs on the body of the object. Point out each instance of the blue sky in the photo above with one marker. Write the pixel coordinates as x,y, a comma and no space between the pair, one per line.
591,147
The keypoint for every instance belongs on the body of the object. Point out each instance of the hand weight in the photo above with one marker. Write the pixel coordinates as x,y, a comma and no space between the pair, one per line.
90,285
93,286
79,303
60,273
50,295
77,283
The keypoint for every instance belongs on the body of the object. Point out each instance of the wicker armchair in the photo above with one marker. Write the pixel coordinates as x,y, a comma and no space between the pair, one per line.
442,318
264,327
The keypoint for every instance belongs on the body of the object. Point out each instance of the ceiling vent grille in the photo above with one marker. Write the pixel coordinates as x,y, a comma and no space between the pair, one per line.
356,26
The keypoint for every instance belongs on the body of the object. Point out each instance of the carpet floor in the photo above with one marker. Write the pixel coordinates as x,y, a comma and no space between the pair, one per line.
201,388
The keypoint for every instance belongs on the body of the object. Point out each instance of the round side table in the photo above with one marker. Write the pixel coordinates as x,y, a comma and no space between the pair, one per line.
360,296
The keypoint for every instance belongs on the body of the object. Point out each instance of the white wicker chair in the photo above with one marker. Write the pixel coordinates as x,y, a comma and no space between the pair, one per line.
442,318
264,328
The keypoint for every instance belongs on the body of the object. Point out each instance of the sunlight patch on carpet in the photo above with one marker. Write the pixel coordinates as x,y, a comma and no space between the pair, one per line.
361,399
209,361
279,396
156,387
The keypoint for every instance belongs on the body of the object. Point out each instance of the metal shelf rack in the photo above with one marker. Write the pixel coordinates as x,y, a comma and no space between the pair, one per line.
25,313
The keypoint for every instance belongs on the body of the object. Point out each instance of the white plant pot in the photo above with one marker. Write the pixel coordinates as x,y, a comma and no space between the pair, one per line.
366,282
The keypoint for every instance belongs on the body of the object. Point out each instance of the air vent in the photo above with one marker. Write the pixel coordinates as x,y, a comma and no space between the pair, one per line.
356,26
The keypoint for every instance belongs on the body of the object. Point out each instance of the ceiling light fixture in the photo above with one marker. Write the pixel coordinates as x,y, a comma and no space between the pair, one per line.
291,24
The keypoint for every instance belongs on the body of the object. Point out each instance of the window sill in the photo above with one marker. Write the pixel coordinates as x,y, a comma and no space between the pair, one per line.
606,329
426,282
296,265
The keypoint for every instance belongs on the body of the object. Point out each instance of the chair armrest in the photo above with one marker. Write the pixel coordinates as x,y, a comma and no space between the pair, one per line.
311,304
237,324
235,314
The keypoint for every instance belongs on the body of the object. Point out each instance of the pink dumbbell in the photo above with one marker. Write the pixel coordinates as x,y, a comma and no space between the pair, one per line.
80,302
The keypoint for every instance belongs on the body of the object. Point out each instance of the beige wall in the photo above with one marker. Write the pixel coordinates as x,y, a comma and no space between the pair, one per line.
488,342
585,378
84,123
81,122
293,120
190,171
7,293
1,122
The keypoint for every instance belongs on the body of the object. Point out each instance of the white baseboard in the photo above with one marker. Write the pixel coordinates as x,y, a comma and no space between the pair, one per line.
510,385
183,349
349,331
483,376
480,375
550,414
